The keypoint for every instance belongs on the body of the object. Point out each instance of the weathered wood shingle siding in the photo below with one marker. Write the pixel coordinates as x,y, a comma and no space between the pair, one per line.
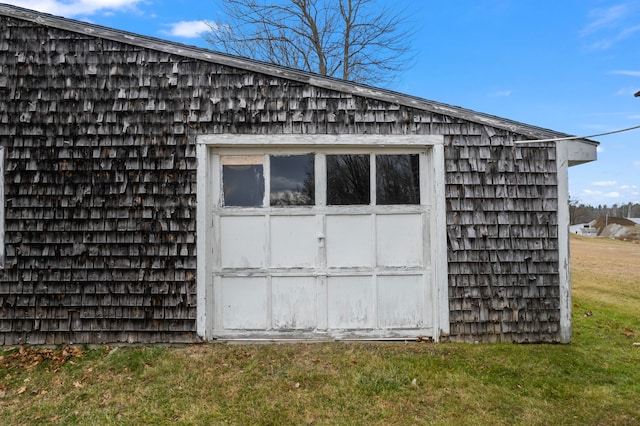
502,232
101,190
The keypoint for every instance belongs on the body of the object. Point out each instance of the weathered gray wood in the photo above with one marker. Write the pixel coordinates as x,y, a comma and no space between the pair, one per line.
99,130
156,47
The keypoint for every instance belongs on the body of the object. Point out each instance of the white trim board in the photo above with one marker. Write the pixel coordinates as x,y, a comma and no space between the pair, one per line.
564,270
378,141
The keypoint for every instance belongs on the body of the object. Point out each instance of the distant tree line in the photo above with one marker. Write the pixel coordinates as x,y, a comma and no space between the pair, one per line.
580,213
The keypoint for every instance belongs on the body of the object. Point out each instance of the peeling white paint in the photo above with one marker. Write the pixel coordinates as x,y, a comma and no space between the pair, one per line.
321,271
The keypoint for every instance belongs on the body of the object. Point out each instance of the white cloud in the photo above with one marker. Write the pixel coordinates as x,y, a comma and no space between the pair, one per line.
501,93
71,8
636,164
604,18
187,29
614,192
608,26
630,73
628,32
627,91
604,183
599,194
599,148
589,195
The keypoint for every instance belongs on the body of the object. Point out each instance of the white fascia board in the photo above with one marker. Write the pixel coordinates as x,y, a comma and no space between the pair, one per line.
379,141
580,152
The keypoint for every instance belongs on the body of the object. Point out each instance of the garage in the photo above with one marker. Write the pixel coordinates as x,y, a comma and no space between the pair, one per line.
321,237
160,193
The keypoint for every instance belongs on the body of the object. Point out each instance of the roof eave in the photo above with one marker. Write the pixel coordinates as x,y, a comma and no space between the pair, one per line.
581,151
330,83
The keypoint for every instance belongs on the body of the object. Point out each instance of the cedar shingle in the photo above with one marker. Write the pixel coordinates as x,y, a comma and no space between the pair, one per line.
90,112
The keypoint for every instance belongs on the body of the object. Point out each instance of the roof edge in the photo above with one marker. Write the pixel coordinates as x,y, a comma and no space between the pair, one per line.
317,80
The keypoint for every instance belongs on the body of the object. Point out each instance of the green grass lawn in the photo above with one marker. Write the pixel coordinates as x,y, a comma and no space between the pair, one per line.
595,380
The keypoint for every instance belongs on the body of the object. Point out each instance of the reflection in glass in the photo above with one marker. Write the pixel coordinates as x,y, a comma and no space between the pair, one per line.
348,179
397,179
243,185
292,180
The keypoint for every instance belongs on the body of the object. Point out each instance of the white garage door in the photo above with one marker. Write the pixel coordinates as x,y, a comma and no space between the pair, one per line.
331,243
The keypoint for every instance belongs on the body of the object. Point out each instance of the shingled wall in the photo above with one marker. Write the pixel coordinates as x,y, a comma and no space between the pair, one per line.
100,190
502,228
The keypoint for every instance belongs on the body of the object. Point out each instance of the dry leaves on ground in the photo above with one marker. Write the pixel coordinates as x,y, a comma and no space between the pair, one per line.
29,358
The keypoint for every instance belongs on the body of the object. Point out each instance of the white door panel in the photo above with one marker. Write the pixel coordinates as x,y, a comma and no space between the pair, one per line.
243,241
349,240
399,240
350,302
244,303
294,241
401,301
294,303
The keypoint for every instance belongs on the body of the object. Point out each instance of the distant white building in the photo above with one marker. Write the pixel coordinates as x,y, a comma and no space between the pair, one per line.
584,229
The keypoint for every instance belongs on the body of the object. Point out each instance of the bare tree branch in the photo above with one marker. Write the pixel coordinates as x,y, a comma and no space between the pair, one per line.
352,39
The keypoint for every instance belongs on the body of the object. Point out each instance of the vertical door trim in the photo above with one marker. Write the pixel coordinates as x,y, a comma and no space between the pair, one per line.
438,232
204,282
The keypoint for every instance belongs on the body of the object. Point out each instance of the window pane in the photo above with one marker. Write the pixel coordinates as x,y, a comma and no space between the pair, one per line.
243,185
292,180
348,179
397,179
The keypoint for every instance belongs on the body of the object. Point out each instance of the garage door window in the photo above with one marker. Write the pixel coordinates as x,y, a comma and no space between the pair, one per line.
290,180
348,179
398,179
243,180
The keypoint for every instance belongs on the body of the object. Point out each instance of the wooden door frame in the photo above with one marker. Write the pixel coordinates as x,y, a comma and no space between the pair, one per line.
207,195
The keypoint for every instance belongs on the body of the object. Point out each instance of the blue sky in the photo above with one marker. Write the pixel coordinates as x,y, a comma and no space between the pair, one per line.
567,65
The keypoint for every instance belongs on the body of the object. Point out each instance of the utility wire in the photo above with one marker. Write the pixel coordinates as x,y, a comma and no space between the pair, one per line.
568,138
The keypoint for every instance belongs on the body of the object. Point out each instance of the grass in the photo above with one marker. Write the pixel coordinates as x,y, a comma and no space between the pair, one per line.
595,380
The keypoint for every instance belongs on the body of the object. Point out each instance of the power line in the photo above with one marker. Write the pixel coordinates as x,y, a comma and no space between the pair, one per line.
568,138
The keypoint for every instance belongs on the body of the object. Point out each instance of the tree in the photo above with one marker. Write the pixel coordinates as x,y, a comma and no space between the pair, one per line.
354,40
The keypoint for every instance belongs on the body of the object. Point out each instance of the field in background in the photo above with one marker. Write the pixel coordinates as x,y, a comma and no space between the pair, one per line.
606,272
595,380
